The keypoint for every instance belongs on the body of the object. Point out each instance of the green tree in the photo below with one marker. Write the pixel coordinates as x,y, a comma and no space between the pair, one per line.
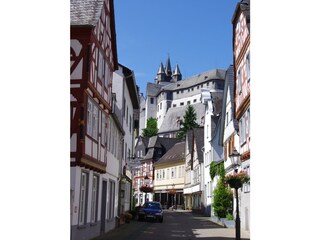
222,199
151,129
188,122
222,194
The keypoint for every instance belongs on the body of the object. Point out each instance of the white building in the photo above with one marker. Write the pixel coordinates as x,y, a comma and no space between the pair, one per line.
126,101
212,150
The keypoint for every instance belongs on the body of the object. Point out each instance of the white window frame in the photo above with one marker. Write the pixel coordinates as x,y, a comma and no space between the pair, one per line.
92,119
89,116
103,129
248,66
239,81
111,205
94,198
83,198
101,66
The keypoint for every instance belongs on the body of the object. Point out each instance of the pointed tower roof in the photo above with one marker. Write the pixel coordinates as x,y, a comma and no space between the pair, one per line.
168,67
176,71
161,69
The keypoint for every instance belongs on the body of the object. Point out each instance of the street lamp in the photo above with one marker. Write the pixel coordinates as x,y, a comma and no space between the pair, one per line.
236,163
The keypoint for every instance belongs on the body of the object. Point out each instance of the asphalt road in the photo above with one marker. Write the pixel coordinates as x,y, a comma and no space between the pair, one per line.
175,226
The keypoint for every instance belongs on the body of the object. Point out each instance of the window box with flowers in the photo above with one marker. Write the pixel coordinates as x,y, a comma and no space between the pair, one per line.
146,189
236,180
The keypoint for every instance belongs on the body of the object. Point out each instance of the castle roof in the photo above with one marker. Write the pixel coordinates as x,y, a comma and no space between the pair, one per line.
174,114
197,79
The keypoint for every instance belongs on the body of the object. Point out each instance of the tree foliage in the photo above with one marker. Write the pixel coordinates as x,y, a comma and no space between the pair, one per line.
189,122
151,129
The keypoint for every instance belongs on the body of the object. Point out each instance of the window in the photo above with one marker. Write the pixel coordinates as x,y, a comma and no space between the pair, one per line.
242,130
188,102
182,103
107,75
173,172
83,198
194,100
160,105
246,186
92,119
227,118
89,117
111,199
103,129
177,92
127,116
248,67
124,108
152,100
168,173
101,65
174,105
94,199
130,123
239,82
248,128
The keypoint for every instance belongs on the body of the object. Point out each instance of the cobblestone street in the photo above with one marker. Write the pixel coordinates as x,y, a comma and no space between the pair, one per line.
176,225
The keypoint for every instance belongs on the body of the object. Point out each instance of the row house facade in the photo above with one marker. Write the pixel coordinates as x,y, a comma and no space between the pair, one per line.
241,62
169,177
212,100
125,103
193,189
93,61
148,151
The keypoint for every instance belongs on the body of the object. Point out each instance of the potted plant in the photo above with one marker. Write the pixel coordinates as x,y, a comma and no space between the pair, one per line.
127,217
236,180
146,189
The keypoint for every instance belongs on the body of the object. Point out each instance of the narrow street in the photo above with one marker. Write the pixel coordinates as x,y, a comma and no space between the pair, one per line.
176,225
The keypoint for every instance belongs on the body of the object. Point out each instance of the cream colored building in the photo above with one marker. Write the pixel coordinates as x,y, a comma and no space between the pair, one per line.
169,177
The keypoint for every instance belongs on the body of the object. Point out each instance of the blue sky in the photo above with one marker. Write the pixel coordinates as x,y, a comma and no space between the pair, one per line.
197,35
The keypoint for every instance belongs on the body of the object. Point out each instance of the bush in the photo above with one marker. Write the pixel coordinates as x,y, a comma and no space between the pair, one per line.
222,199
229,216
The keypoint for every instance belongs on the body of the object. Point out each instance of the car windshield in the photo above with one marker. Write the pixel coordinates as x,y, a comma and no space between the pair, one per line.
152,205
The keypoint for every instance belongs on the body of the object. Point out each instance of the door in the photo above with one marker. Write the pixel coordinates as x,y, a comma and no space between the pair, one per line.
103,207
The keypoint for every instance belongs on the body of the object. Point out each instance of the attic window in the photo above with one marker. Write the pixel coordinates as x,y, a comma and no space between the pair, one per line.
178,84
205,77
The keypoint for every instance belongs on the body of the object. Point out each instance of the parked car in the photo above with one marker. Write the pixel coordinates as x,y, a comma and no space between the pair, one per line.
151,210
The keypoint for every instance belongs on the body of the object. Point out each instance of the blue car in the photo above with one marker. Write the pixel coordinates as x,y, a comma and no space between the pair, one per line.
151,210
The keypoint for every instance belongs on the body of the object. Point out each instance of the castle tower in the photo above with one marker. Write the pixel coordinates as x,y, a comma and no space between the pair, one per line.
160,75
168,68
176,74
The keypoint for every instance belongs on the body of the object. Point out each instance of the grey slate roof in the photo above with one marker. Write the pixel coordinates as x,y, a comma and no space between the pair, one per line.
162,143
169,123
195,80
198,141
153,89
217,147
175,153
85,12
229,86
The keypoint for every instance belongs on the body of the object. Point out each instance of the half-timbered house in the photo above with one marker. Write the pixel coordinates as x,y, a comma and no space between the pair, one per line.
241,62
93,60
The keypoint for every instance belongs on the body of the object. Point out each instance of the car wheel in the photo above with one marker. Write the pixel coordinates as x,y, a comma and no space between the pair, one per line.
161,220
